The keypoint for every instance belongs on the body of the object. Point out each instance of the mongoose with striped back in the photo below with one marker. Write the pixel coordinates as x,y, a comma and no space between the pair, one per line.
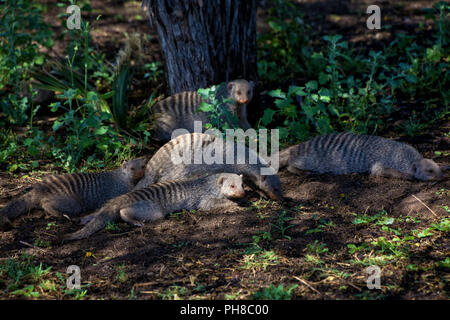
180,110
344,153
195,154
72,194
209,193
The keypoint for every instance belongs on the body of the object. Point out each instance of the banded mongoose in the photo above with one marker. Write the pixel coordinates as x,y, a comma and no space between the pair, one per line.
180,110
200,153
72,194
147,204
343,153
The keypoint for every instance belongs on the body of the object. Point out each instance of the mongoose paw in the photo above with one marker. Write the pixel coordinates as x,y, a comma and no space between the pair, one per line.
86,219
137,224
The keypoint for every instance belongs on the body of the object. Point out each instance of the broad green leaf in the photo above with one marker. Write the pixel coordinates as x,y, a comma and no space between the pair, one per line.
277,94
268,116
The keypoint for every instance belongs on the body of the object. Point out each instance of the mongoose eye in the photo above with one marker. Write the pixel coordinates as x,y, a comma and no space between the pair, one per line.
239,93
232,186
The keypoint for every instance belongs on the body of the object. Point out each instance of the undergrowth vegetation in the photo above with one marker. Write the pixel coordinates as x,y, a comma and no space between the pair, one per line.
342,88
90,115
328,85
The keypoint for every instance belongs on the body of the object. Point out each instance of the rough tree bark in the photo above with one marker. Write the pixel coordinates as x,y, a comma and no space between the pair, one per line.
205,42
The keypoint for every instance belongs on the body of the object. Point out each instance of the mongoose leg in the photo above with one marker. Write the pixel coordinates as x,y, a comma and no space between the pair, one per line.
216,204
141,211
294,170
87,218
378,170
59,206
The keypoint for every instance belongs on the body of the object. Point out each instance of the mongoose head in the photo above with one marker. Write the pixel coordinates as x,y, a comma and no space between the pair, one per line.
271,185
427,169
241,91
231,185
135,168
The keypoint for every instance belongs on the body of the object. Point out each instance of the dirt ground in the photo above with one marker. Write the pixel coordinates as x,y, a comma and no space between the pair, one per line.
209,256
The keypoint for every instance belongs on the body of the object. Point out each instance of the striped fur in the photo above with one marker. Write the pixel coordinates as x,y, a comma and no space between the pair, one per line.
75,193
152,203
343,153
180,110
163,166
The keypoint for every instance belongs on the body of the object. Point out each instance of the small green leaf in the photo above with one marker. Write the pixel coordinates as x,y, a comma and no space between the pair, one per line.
277,94
268,116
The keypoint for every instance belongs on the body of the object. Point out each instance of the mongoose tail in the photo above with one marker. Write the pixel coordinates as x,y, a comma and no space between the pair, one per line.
18,207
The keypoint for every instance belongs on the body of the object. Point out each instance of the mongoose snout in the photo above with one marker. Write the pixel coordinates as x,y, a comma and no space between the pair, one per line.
136,169
427,169
232,188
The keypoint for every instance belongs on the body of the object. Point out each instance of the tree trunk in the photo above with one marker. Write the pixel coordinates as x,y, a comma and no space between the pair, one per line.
205,42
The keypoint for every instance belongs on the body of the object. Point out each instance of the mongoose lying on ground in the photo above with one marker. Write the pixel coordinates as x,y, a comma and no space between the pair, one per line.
162,165
147,204
343,153
180,110
73,194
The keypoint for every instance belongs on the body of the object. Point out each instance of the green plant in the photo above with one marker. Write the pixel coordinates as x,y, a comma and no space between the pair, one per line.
220,117
317,248
111,226
282,50
121,274
322,224
21,276
281,224
22,31
380,218
275,293
173,293
256,258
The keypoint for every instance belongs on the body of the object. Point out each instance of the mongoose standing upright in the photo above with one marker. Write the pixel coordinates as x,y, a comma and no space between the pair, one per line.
147,204
73,194
199,153
343,153
180,110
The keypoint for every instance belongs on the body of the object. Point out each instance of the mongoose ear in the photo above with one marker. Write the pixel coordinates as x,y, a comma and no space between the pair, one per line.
230,86
220,181
124,164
